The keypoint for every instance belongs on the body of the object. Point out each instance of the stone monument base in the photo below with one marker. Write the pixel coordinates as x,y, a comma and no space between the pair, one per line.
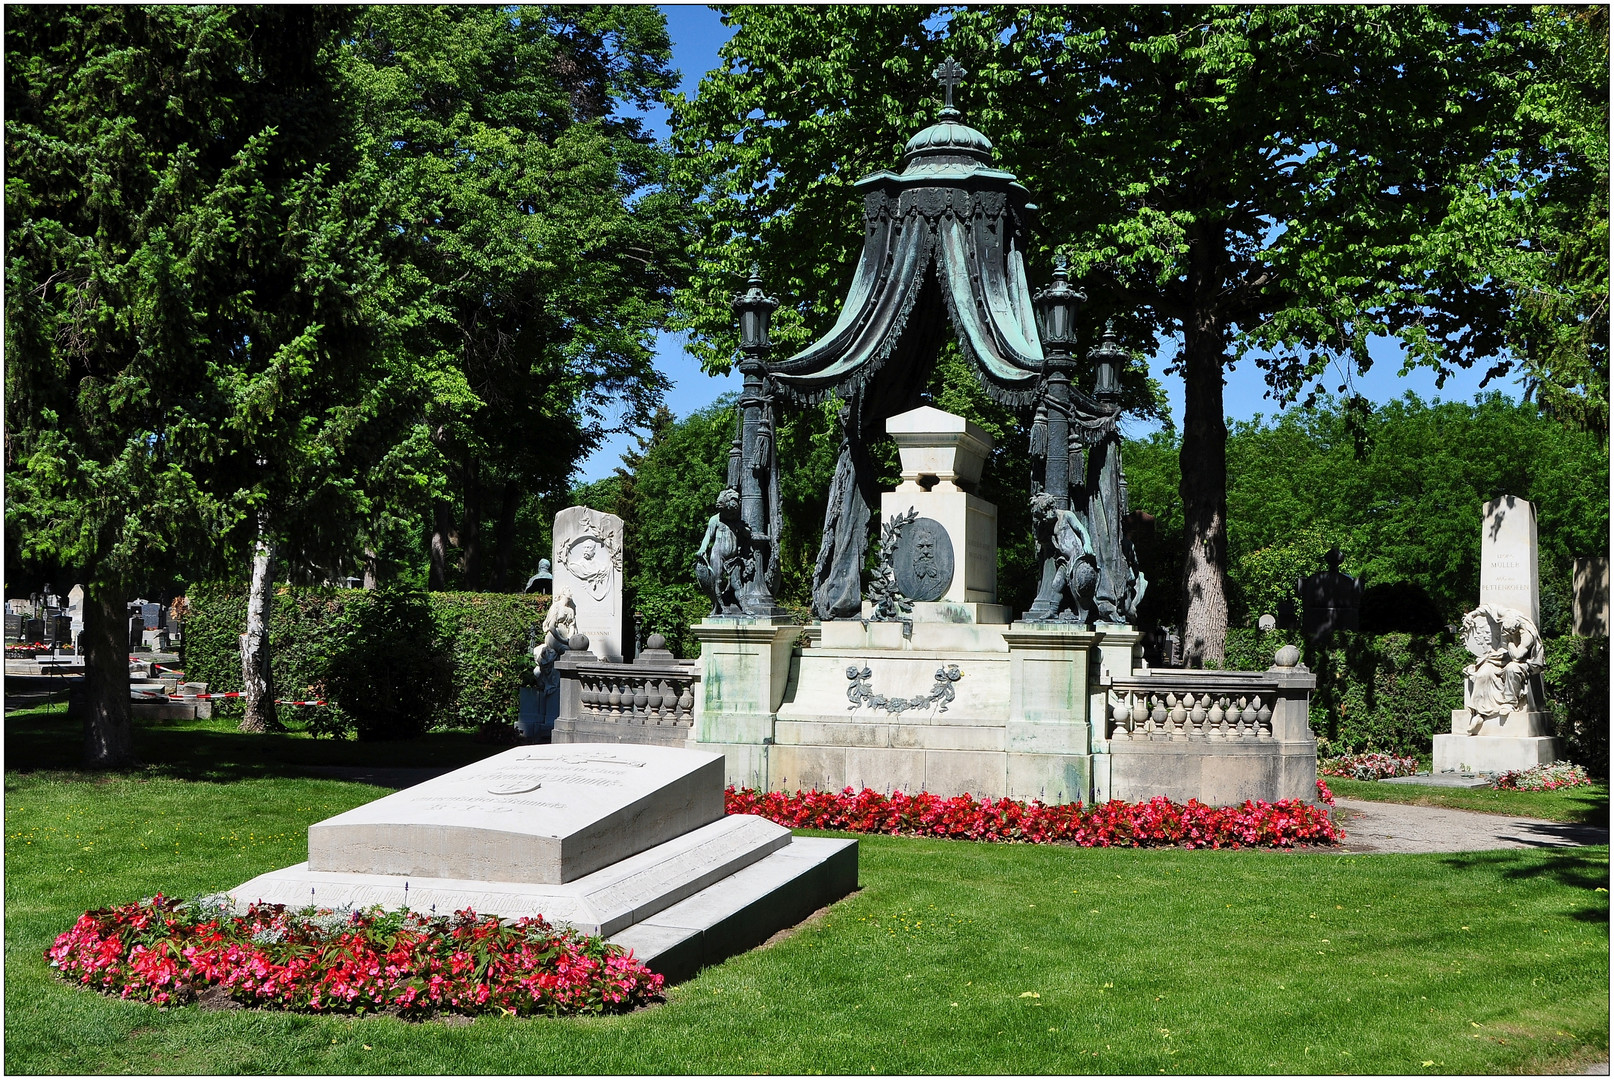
625,841
1493,753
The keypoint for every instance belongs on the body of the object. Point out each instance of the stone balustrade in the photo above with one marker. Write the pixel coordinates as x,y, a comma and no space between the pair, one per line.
626,693
1177,711
651,700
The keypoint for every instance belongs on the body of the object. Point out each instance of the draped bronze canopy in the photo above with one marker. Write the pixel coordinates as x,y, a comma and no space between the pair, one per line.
945,234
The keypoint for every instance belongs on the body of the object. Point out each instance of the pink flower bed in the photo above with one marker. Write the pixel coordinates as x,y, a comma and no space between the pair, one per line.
316,960
1156,823
1372,766
1551,777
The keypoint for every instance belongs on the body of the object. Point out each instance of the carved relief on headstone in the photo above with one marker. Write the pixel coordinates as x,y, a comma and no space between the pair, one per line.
587,561
924,560
1508,571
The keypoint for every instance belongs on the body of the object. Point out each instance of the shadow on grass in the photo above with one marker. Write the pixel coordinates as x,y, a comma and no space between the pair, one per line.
49,741
1593,806
1575,868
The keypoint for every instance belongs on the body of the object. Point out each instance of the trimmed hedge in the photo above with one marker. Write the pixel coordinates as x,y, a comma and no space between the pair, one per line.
391,662
1394,692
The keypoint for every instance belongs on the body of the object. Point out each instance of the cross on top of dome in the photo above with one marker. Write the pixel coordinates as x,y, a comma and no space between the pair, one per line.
949,74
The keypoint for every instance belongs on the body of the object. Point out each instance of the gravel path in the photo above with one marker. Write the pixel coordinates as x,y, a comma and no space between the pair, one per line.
1394,827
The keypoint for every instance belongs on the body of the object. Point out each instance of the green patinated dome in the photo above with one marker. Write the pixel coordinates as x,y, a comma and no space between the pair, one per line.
948,140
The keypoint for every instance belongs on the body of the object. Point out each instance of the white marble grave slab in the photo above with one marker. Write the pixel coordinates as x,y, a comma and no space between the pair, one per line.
534,814
604,902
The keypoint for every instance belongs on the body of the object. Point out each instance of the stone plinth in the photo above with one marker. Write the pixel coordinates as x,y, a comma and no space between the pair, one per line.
942,455
1509,577
588,567
1491,753
744,665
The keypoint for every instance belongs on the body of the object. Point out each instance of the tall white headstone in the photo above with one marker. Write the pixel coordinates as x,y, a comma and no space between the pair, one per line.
75,609
587,562
1509,576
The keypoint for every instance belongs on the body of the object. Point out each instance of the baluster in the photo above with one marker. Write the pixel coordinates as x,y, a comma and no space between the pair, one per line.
686,702
1197,714
1264,718
1178,714
1120,717
1140,713
1159,715
641,699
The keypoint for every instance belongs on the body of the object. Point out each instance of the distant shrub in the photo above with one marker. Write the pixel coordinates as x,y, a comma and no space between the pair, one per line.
391,663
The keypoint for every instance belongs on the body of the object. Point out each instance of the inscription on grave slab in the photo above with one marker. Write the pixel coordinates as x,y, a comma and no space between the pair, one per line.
546,814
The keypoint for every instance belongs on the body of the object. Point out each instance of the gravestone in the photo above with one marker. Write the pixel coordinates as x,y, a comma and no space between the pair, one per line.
1509,577
588,565
1591,597
1329,600
75,609
624,840
13,627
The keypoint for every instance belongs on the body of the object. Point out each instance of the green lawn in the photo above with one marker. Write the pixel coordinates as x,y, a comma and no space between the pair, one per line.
952,958
1587,804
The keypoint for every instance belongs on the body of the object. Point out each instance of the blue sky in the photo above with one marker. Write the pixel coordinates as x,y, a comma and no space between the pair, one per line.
698,32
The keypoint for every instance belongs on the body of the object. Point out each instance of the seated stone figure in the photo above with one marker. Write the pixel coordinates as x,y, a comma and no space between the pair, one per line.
1076,567
1508,655
560,623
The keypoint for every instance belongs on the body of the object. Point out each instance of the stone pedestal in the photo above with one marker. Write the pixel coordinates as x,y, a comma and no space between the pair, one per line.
942,456
1490,753
744,666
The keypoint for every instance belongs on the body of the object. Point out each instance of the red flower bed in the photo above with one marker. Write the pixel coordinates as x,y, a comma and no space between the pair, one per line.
1158,822
317,960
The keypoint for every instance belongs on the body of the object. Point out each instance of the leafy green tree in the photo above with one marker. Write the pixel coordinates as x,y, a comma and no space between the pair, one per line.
1276,185
1560,275
181,269
1400,492
537,235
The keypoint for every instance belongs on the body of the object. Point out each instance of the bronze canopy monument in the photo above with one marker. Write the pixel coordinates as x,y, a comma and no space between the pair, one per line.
920,680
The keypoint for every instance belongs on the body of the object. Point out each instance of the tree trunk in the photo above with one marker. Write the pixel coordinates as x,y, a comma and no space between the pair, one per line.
257,676
471,526
442,526
108,733
509,503
372,569
1203,488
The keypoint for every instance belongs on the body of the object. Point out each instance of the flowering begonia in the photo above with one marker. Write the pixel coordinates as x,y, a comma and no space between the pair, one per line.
1551,777
1158,822
1371,766
317,960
